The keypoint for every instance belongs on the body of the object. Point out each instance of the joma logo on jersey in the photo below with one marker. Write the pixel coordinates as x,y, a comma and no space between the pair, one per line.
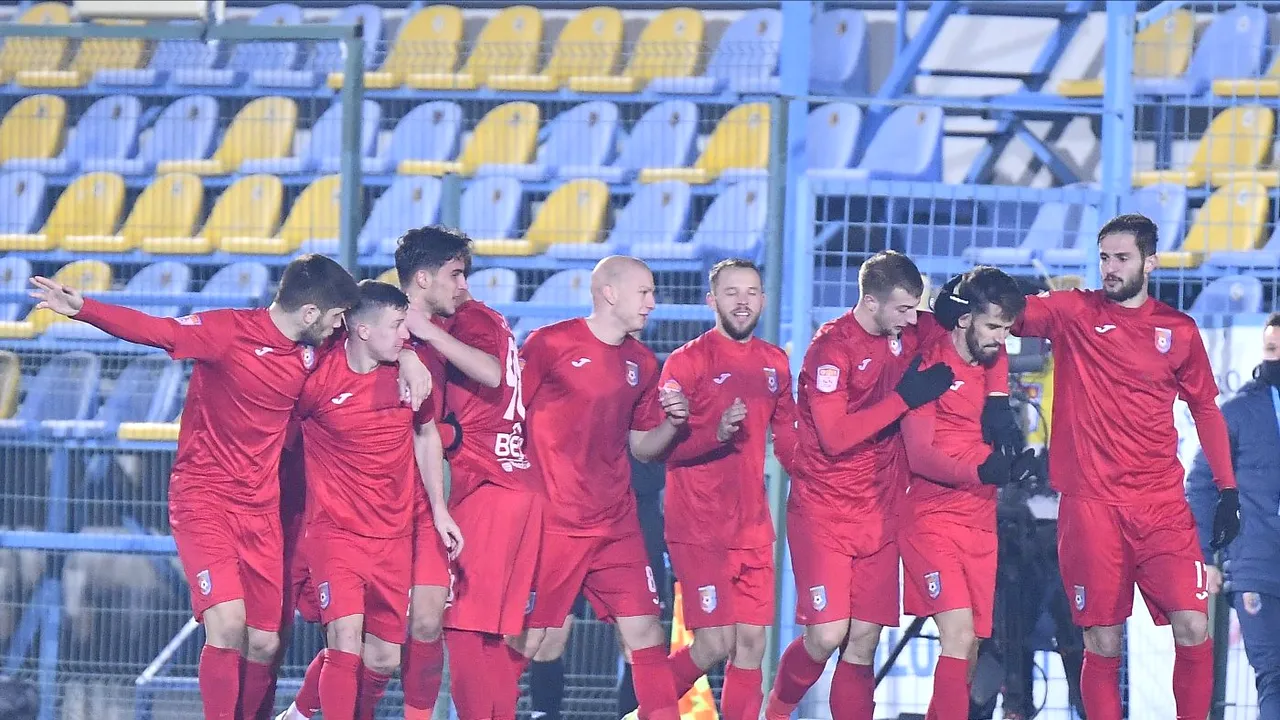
341,399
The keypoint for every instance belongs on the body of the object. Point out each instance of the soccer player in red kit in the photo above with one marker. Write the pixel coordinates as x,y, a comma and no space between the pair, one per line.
718,528
1120,360
947,533
590,390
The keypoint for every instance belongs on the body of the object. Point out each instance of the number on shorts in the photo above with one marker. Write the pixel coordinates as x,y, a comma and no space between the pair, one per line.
515,409
1202,592
648,576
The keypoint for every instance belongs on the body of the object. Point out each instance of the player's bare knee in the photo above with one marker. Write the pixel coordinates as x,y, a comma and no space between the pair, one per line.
822,640
552,645
381,657
640,632
711,645
861,646
527,644
224,625
1189,628
1106,641
262,646
426,627
749,645
957,642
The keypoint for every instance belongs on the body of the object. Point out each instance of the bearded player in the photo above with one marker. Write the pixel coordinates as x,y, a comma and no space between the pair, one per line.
1121,358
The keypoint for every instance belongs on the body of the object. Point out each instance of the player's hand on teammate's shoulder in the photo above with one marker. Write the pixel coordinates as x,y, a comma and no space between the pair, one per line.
57,297
919,387
449,531
415,379
418,322
675,405
731,420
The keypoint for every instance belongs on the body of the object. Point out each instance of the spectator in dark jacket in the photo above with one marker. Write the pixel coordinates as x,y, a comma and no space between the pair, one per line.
1249,573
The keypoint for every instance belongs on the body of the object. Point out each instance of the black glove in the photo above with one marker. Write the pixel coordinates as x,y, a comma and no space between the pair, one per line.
949,307
999,426
452,421
919,387
1226,519
997,469
1025,468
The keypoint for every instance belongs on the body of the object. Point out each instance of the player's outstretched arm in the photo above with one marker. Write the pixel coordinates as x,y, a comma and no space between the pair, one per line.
429,453
475,363
650,445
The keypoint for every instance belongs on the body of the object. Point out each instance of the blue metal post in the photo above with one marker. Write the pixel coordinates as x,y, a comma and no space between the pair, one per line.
351,187
55,522
1117,117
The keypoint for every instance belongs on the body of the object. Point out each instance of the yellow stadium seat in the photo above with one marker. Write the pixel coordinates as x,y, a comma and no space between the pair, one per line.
35,53
428,42
146,431
89,206
169,207
740,141
250,208
263,129
507,45
574,213
10,382
390,276
315,215
589,43
507,134
669,46
94,54
83,275
1237,139
1160,51
1231,219
33,128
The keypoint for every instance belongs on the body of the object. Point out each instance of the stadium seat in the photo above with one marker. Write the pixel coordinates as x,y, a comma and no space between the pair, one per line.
1231,47
832,135
426,133
906,146
242,284
656,214
1231,219
1266,257
506,134
1165,204
83,275
668,47
249,209
410,202
591,40
508,44
838,57
324,146
65,388
35,53
391,277
327,57
247,57
1237,139
263,129
23,200
1267,86
570,288
10,382
33,128
159,279
662,138
169,207
148,391
428,43
583,136
738,147
490,207
573,213
89,206
733,226
493,286
314,216
183,131
15,276
1162,50
1231,295
168,55
93,55
1056,225
149,432
745,60
107,130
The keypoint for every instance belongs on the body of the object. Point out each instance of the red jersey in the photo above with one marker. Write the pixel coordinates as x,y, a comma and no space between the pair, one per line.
945,446
583,398
247,377
358,444
1117,371
715,493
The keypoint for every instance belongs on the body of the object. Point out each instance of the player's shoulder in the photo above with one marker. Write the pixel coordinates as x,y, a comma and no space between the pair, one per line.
1069,297
474,313
769,352
555,331
1168,316
639,352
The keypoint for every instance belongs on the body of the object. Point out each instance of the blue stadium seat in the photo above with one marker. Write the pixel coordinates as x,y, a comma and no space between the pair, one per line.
583,136
162,278
656,214
1166,205
570,288
838,56
833,135
327,57
428,132
490,207
1230,295
325,145
745,61
246,57
169,55
148,390
493,286
238,284
106,130
1266,257
65,388
21,200
906,146
732,226
15,274
1056,225
1231,47
183,131
411,201
662,138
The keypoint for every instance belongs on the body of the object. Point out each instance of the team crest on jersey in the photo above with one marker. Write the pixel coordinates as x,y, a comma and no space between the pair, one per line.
672,385
771,375
1164,339
707,598
205,582
189,320
828,378
1252,602
818,596
895,345
933,583
322,590
308,357
531,602
1079,597
633,374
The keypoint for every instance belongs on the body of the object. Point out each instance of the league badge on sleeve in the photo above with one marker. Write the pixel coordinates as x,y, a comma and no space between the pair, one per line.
818,596
323,591
827,378
707,598
933,583
1079,598
633,374
771,374
189,320
205,582
1164,339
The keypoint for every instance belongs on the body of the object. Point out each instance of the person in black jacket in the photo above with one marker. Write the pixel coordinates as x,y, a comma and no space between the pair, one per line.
1249,573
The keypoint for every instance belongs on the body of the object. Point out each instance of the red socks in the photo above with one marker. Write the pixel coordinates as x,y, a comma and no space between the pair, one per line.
684,671
469,682
1100,686
339,682
742,696
853,691
655,687
219,678
422,667
508,693
950,690
1193,680
797,672
372,687
254,687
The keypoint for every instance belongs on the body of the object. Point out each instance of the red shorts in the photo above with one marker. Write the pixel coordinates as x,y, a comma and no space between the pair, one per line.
357,575
723,587
229,556
299,592
833,585
611,571
492,589
949,566
1104,549
430,558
